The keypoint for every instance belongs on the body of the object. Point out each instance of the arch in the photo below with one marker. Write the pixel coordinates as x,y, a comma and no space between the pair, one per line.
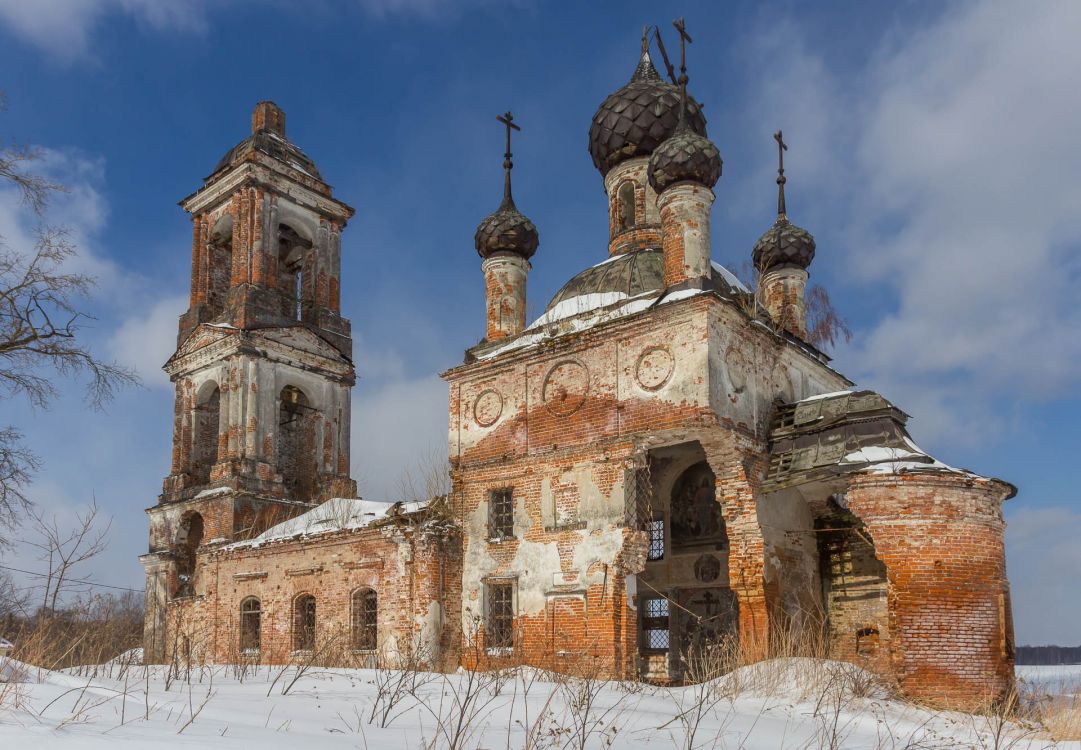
251,625
304,623
296,444
625,206
189,535
695,513
294,271
206,423
365,619
219,248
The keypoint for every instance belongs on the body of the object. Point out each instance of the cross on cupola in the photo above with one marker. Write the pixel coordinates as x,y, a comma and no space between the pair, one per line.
507,119
781,148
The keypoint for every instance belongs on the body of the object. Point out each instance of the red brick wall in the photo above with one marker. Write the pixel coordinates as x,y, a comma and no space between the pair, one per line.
940,537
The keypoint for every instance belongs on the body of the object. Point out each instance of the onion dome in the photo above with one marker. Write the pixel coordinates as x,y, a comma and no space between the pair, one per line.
685,156
507,230
784,245
636,119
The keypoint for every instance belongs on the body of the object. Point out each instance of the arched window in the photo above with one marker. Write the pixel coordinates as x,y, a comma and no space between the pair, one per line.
296,444
304,623
292,282
189,536
365,620
206,427
625,196
696,514
250,625
219,259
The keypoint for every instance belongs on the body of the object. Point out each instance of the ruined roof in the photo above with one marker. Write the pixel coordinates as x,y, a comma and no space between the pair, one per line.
839,433
337,514
638,117
274,146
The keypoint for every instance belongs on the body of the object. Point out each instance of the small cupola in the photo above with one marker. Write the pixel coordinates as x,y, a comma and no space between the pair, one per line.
507,230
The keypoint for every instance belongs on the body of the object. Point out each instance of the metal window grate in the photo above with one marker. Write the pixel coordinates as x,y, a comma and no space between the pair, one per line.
250,615
501,514
655,624
500,622
655,527
365,619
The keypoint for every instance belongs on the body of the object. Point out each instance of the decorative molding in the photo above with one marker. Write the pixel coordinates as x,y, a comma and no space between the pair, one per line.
566,387
488,408
654,368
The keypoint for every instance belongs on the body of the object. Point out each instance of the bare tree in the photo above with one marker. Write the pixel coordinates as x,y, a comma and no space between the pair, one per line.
40,324
63,550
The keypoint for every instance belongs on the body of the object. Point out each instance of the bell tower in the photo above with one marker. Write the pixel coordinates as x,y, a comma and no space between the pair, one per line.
263,366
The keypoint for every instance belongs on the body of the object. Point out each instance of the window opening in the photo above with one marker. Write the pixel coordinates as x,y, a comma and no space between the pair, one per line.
501,514
250,625
365,619
500,621
304,623
655,527
655,624
626,206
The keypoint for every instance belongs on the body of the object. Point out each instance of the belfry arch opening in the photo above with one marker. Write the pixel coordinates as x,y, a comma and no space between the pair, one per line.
625,206
188,538
294,272
685,603
296,444
219,264
206,428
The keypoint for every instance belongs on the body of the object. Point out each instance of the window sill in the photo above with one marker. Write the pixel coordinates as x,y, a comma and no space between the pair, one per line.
500,539
499,651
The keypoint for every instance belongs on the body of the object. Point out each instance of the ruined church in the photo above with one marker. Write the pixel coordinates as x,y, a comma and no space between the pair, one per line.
662,459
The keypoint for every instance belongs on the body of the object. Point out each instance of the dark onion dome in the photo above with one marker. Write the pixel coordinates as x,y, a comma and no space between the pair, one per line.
637,118
507,231
274,146
629,275
784,245
685,156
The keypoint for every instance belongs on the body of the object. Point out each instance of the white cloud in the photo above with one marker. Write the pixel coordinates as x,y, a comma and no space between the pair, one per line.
396,426
146,340
955,148
64,28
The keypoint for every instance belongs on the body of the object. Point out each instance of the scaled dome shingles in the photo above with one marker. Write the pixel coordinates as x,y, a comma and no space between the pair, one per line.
685,156
506,231
635,119
784,245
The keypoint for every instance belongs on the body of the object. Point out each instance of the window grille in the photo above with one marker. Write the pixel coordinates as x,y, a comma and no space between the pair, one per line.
655,624
365,618
499,630
655,527
250,625
304,623
501,514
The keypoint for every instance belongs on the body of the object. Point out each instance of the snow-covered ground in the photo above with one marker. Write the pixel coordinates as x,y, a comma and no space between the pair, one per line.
795,703
1058,680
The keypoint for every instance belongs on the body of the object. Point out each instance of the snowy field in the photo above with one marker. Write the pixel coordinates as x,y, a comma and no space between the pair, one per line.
793,703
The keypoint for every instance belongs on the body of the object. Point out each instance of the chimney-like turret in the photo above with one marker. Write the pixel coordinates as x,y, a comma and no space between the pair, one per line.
268,116
506,240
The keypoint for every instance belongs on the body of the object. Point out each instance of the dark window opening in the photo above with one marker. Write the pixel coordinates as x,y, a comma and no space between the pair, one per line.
501,514
655,528
219,251
293,272
250,625
189,537
207,424
625,197
499,626
365,619
304,623
296,445
655,633
695,514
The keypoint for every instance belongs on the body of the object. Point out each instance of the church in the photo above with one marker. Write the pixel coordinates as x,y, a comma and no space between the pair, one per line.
661,461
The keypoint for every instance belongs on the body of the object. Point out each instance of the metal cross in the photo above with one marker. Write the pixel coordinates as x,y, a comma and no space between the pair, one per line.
507,119
684,40
781,148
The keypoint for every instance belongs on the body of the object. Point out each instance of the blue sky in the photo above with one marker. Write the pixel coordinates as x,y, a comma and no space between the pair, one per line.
932,153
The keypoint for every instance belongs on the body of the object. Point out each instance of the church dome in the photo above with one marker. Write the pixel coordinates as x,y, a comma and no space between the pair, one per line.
784,245
507,231
685,156
635,119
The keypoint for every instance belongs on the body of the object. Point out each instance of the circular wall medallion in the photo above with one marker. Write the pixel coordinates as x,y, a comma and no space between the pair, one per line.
655,367
565,388
487,408
736,365
707,568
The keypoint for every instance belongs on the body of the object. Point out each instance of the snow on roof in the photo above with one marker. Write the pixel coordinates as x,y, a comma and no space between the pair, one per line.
833,394
731,278
337,514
